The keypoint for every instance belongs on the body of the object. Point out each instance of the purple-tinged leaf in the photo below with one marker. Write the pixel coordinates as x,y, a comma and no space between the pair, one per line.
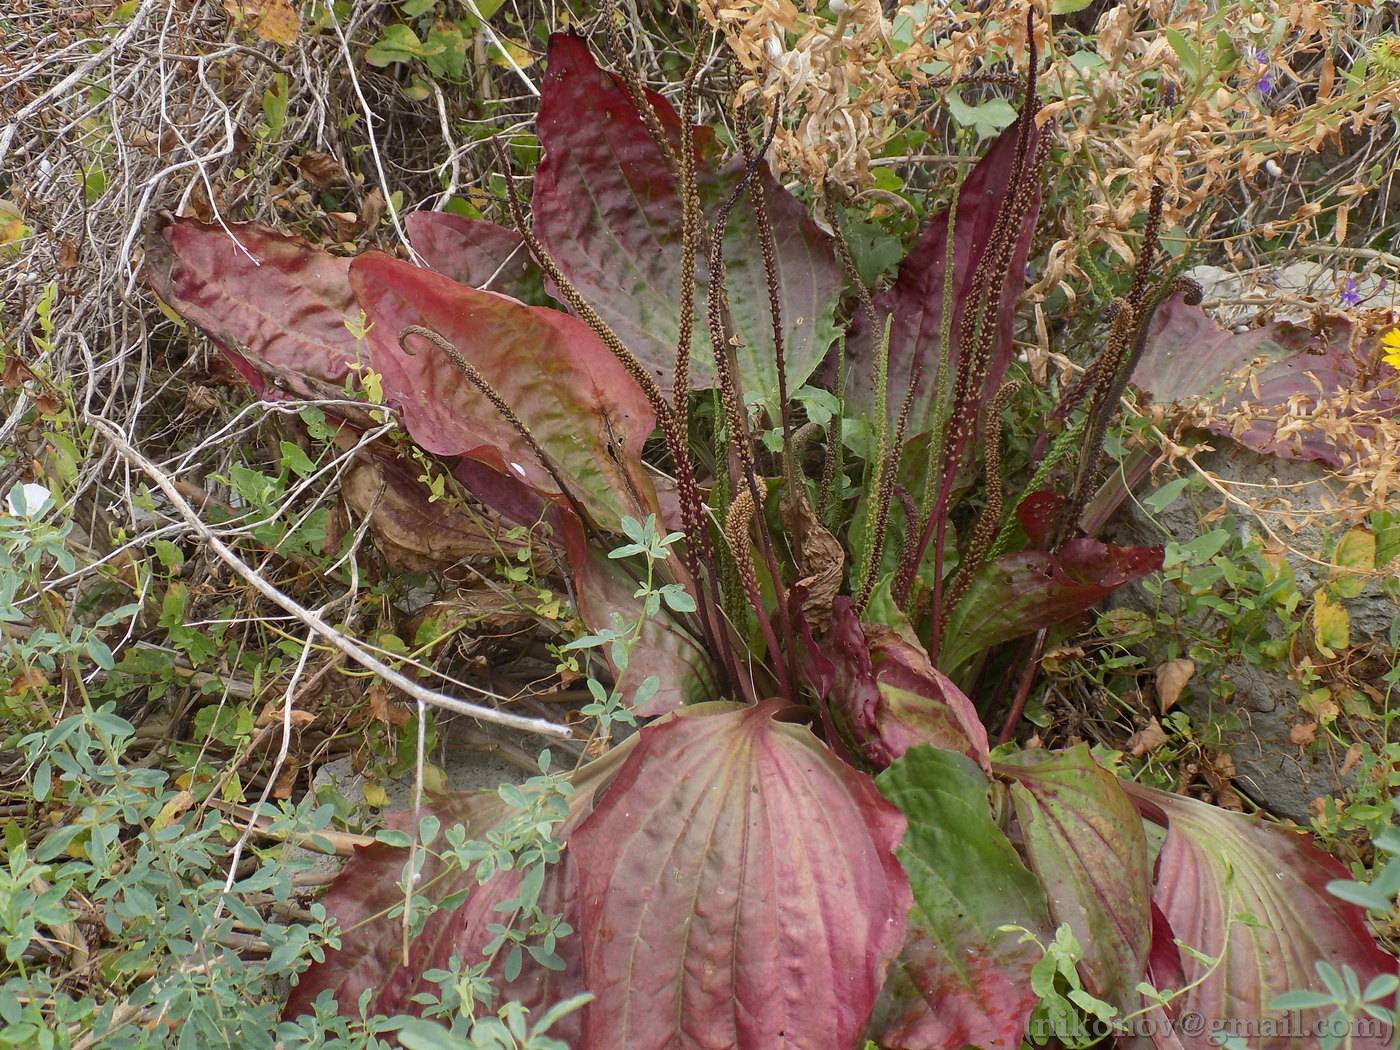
577,400
1086,843
959,981
1017,594
364,896
884,696
1280,389
738,887
1255,893
607,209
810,283
1164,966
505,494
476,253
1039,515
916,298
280,310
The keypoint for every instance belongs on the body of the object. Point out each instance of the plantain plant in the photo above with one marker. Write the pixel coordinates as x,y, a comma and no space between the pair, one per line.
788,491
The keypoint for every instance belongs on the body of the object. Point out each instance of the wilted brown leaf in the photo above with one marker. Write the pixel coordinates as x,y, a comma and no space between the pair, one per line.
381,709
373,209
321,170
30,679
1219,771
1353,756
14,373
173,810
273,713
1303,734
1148,739
413,531
273,20
67,254
1172,677
823,561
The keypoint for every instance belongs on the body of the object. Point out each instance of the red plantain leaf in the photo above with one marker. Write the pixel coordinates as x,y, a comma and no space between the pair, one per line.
365,893
1255,892
884,695
810,283
361,899
280,310
1275,377
738,887
916,298
508,496
960,981
1164,966
1038,514
1020,593
1087,845
476,253
603,592
582,407
607,209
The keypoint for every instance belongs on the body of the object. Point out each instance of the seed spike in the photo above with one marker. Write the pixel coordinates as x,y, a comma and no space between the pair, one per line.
988,522
469,372
632,81
697,545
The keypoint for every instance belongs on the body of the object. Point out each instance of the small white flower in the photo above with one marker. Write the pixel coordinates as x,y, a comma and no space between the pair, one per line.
29,500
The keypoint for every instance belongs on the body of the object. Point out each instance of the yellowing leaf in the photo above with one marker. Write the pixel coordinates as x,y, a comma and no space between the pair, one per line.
273,20
434,778
1320,704
1331,625
233,790
375,795
1355,556
510,54
172,810
12,227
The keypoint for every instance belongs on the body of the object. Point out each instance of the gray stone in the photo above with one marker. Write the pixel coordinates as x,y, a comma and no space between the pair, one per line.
1303,504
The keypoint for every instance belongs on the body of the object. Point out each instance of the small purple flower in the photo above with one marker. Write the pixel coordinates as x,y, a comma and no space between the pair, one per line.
1267,82
1351,294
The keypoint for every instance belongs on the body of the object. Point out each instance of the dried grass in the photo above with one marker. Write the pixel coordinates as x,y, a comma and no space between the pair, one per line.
111,115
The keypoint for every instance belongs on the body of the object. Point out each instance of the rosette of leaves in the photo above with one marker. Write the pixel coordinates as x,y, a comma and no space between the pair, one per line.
810,843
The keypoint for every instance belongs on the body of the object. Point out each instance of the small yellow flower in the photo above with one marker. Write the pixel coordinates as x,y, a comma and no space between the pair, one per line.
1390,343
1385,55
